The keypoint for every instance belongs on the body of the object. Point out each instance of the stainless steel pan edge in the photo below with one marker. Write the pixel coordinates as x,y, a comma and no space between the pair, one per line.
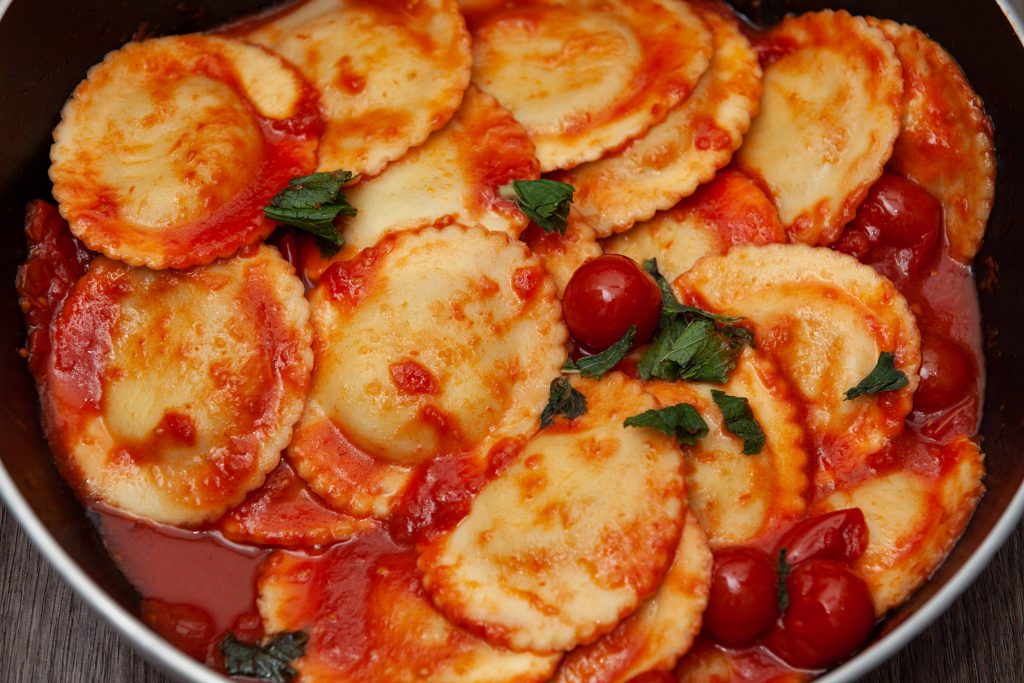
184,668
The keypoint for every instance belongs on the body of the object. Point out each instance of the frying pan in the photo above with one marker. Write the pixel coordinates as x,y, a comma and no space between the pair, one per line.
46,48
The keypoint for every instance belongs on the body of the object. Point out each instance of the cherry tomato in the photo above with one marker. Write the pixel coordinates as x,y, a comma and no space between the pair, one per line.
947,374
654,677
841,535
830,614
605,296
743,601
897,228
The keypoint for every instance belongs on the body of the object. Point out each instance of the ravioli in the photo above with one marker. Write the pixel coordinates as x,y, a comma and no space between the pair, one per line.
572,536
945,143
229,347
697,138
454,177
388,630
585,76
389,72
434,342
168,151
660,631
563,253
730,210
825,318
829,117
915,514
741,498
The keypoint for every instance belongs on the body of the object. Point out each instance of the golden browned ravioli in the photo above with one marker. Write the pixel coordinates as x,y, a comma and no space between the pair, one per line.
945,142
660,631
738,497
168,151
825,318
728,211
389,72
697,138
171,394
436,341
453,177
829,117
585,76
572,536
369,620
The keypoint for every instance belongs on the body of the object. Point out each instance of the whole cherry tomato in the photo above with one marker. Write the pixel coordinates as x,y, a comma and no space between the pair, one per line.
605,296
947,374
830,614
841,535
743,600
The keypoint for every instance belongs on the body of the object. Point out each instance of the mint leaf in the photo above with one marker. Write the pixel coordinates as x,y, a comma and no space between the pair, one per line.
563,399
597,365
681,421
270,662
545,202
884,377
311,203
740,420
697,350
784,569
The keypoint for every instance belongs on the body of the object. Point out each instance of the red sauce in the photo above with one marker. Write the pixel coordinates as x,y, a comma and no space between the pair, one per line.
771,49
347,281
412,378
525,282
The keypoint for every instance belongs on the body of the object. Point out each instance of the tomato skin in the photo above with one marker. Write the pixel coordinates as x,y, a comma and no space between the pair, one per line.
841,535
605,296
948,374
830,615
743,600
654,677
897,229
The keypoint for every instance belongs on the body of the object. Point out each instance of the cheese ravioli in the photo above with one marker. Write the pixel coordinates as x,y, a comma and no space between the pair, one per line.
389,72
573,536
436,341
228,345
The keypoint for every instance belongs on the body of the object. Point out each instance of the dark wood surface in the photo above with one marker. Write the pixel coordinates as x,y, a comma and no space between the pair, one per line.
49,635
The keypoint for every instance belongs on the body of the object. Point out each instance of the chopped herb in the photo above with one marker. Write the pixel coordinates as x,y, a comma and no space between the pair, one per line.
563,399
670,304
545,202
884,377
270,662
695,349
681,421
597,365
740,420
784,570
311,203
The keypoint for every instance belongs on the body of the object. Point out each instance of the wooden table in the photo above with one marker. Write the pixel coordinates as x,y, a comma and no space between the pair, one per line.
49,635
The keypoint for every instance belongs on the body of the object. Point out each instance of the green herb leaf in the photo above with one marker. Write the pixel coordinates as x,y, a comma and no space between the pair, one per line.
311,203
697,350
681,421
670,304
884,377
597,365
740,420
563,399
545,202
783,570
270,662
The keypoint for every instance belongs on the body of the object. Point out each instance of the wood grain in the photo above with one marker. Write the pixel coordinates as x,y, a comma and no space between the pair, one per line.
49,635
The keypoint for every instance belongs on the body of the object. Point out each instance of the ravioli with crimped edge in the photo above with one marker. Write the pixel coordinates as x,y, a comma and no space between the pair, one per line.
697,138
945,143
366,596
585,76
434,342
830,114
572,536
728,211
453,177
915,515
229,347
660,631
825,318
739,498
389,72
167,153
563,252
